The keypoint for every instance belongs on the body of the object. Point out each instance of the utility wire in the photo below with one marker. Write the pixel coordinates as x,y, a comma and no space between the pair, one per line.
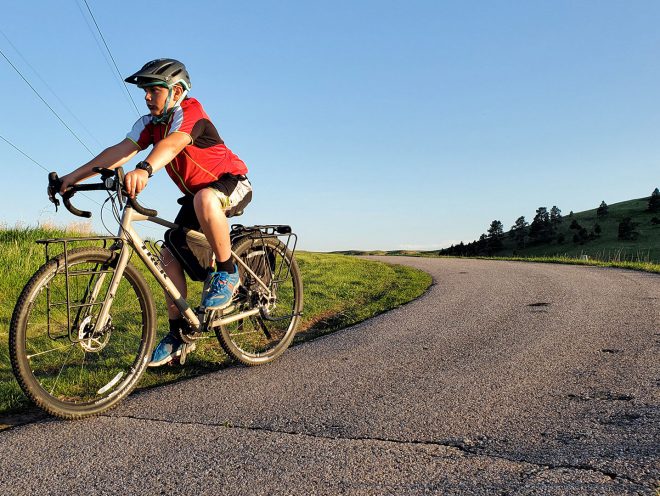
49,88
45,102
111,57
22,152
37,163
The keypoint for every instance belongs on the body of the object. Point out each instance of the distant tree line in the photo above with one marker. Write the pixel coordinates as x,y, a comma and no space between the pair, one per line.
544,229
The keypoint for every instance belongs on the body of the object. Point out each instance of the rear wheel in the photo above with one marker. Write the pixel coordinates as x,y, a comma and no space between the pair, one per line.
76,371
263,337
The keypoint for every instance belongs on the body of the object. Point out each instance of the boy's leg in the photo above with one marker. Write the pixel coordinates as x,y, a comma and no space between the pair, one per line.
170,346
174,271
213,221
210,205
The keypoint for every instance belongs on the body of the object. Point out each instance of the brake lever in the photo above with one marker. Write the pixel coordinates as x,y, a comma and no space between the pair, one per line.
54,185
119,184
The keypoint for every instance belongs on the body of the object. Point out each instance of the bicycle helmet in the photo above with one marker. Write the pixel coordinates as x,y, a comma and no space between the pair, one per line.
163,72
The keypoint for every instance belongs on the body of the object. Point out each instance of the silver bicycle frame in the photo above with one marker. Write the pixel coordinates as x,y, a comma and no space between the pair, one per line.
132,241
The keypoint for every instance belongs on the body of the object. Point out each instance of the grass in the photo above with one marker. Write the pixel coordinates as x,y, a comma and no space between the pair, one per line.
621,264
338,291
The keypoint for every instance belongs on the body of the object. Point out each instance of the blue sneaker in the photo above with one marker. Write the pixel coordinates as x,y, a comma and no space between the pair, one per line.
168,349
222,288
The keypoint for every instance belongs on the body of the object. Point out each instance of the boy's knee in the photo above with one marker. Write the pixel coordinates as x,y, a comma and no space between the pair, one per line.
209,198
202,197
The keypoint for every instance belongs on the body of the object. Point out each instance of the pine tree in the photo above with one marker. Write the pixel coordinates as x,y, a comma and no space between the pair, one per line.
495,235
555,215
519,231
602,210
654,201
627,230
541,229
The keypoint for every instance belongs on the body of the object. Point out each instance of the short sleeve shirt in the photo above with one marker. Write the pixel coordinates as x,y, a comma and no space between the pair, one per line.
200,163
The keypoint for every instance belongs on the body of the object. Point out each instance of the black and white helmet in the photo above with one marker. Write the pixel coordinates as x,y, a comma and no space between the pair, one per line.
161,72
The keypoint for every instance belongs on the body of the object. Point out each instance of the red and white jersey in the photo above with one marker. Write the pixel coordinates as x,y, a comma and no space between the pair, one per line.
200,163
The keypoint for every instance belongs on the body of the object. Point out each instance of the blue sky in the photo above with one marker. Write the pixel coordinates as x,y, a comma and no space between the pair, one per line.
365,124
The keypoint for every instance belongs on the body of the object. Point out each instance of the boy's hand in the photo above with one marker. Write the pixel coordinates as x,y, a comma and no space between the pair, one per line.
66,182
135,181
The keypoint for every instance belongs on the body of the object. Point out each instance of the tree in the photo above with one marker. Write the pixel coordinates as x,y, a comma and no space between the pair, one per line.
627,230
654,201
581,235
541,229
597,229
602,210
555,215
495,235
519,231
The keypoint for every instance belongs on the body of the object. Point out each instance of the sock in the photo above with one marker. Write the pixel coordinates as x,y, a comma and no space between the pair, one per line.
178,323
226,266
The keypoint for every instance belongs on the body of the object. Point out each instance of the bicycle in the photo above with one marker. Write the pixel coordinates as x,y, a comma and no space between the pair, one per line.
83,328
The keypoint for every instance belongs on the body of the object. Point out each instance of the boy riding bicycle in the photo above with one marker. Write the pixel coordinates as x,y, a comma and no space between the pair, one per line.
212,178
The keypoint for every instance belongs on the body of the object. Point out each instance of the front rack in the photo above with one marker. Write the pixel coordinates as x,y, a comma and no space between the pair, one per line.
107,242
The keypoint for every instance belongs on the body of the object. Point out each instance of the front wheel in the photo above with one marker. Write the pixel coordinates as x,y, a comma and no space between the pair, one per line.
64,362
263,337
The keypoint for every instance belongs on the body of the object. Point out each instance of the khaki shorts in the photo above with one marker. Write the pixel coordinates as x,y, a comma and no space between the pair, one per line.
234,193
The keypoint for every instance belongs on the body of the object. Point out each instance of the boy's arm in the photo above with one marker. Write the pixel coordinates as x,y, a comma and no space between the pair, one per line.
161,155
111,157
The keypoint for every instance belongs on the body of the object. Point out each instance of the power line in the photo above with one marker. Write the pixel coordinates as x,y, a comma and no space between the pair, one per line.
111,57
22,152
64,105
37,163
45,102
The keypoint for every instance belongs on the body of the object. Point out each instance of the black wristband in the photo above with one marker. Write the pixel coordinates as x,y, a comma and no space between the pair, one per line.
145,166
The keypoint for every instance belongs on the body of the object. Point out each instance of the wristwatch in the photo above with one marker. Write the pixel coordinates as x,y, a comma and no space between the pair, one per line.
144,165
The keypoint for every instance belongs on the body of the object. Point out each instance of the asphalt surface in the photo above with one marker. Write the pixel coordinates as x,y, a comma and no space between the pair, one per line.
504,378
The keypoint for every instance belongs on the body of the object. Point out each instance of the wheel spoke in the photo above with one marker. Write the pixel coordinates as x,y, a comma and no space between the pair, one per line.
89,375
262,338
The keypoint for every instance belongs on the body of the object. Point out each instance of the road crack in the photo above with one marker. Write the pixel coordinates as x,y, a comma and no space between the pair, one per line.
464,446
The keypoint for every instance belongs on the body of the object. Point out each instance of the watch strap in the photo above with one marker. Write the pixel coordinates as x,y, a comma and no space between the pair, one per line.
145,166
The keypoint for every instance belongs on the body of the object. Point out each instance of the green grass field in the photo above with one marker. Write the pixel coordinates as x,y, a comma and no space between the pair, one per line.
338,291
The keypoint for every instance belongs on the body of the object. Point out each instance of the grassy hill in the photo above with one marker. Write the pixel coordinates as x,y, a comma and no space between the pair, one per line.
606,246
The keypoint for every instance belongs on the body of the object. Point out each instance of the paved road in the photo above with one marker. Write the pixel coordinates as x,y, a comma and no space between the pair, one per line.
505,378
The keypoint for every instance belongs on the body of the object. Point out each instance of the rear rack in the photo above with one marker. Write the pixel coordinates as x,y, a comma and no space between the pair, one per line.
282,233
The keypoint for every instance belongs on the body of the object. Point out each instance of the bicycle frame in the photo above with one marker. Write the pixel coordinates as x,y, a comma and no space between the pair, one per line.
131,240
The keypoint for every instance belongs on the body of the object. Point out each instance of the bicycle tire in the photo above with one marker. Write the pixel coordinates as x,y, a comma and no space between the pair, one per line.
261,338
75,373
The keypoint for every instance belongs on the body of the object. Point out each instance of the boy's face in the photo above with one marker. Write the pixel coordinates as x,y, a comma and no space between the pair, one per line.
156,96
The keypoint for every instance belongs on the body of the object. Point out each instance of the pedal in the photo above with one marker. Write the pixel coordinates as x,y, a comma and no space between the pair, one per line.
184,353
190,338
